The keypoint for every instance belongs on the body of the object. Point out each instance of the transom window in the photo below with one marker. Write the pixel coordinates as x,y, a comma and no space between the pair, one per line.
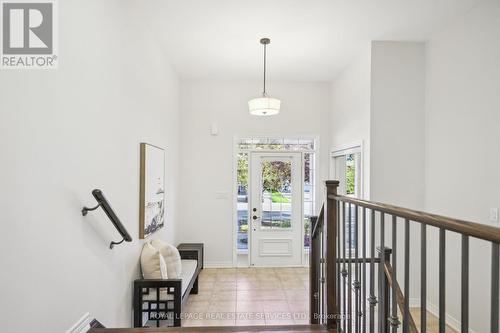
244,147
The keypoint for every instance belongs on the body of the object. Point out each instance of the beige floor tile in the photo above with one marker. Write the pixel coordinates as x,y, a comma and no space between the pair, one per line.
222,306
194,306
203,295
193,323
278,318
301,319
224,286
271,295
249,306
223,295
298,306
297,295
221,322
275,306
247,295
242,321
247,285
209,271
206,285
293,285
226,278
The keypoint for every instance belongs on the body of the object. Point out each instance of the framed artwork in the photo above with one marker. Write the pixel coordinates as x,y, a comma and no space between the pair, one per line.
152,190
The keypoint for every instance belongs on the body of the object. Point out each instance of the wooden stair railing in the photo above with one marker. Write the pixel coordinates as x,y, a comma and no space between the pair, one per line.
344,264
401,300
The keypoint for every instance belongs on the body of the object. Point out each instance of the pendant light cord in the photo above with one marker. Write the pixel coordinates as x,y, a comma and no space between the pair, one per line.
264,92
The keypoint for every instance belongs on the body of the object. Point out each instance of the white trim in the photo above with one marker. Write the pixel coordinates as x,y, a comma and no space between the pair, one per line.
218,264
346,147
235,202
82,325
354,147
434,310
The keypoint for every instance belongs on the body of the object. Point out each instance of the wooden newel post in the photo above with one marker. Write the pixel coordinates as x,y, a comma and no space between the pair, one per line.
330,230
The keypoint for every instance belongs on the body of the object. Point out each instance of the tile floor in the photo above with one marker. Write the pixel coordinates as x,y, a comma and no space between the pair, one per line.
249,296
258,296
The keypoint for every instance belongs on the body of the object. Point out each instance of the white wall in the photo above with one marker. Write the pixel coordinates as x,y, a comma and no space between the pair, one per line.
397,123
397,140
462,146
207,161
63,133
350,111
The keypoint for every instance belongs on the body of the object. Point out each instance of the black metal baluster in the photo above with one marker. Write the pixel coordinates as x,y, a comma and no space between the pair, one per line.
394,305
339,279
349,271
495,280
442,280
372,299
381,276
343,279
465,284
356,271
407,278
344,271
363,283
423,279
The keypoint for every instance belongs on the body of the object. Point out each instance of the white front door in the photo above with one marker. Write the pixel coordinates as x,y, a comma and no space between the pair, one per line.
276,226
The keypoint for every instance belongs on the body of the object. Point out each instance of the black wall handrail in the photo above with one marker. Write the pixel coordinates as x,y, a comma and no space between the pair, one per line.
102,202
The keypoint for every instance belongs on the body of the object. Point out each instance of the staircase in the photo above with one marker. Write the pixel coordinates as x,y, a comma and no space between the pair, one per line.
354,256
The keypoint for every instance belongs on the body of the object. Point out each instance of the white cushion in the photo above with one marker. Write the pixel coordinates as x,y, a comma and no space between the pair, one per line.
153,265
171,256
188,269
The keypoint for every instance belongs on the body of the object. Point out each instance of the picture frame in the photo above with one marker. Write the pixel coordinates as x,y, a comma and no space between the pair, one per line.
151,189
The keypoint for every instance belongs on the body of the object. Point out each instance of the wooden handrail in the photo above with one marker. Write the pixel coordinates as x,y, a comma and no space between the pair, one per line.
468,228
400,298
319,221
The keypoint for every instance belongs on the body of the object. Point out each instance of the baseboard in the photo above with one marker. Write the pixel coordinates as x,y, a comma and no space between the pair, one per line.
218,264
414,302
434,309
82,325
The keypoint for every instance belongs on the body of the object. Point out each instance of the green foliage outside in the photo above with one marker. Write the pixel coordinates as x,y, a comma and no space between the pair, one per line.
275,175
277,224
242,170
277,197
350,174
307,225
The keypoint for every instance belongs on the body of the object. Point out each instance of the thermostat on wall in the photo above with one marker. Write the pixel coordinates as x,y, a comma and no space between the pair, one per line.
214,129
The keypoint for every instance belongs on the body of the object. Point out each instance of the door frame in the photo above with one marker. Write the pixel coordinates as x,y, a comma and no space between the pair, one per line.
236,139
354,147
277,153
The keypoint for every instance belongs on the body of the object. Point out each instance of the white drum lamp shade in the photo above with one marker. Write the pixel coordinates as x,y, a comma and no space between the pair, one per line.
264,106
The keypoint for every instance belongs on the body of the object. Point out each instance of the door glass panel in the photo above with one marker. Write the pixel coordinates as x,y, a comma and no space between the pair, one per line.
276,195
242,204
350,174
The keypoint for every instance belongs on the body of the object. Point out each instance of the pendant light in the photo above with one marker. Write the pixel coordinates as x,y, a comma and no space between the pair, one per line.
265,105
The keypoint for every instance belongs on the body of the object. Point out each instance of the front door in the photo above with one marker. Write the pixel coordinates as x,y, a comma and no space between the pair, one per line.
276,209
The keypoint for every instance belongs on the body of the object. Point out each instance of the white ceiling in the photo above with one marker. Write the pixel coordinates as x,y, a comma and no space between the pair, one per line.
311,40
